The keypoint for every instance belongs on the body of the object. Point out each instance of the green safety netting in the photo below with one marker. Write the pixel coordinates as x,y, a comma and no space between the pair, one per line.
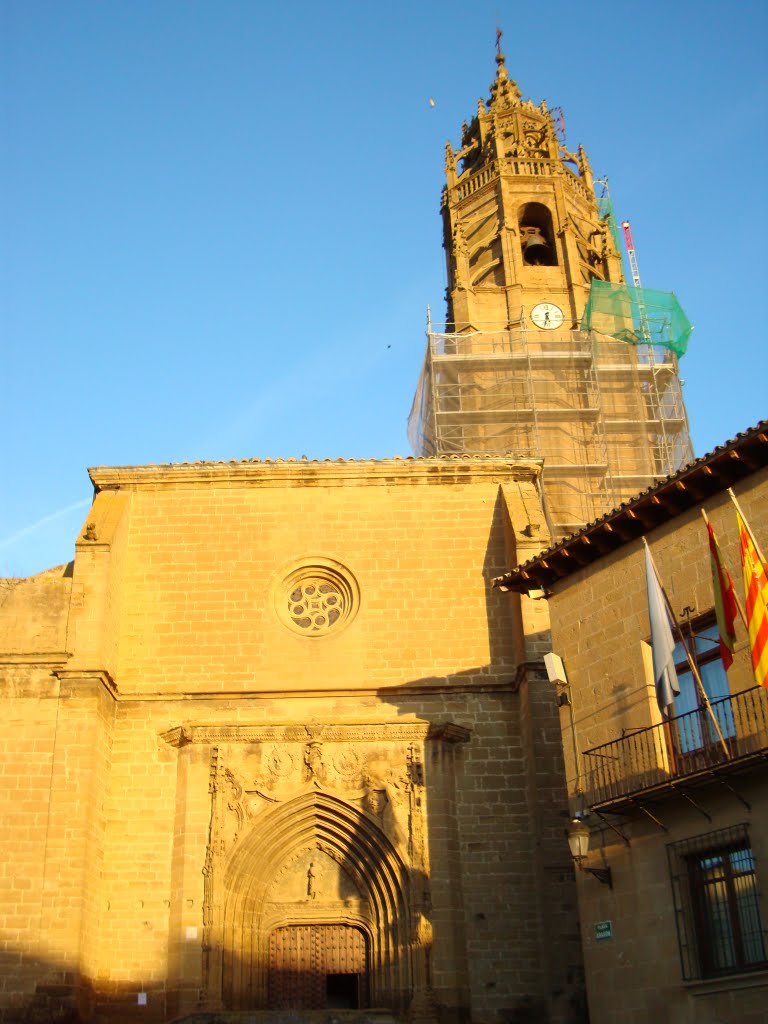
641,316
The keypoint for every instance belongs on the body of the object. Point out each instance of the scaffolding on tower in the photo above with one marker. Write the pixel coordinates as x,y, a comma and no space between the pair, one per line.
606,417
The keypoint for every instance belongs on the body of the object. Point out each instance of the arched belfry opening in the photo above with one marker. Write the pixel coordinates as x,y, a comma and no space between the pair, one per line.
315,912
537,236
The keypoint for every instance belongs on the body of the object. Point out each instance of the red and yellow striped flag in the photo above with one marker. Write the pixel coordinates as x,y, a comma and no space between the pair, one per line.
756,600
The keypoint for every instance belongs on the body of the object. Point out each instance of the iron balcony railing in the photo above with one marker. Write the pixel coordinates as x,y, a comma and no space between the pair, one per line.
681,748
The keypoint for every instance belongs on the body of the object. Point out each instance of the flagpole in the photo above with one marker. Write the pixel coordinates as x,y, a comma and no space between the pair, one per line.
752,537
692,664
739,605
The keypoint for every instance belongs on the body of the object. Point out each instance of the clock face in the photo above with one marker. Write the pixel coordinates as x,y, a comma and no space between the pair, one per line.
548,316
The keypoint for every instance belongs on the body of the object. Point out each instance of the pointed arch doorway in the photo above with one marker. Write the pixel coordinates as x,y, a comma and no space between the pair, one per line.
315,912
317,967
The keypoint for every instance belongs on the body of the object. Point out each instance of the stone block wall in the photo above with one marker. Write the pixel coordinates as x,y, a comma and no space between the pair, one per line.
599,617
599,620
178,629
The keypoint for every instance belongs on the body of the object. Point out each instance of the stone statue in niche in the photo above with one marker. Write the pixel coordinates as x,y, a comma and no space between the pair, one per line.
460,247
314,766
397,814
313,876
386,797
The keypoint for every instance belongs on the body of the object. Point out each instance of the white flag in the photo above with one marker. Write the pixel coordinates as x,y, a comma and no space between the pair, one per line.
662,641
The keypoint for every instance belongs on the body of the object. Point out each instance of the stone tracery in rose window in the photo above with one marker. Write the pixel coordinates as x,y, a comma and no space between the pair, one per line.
315,604
317,599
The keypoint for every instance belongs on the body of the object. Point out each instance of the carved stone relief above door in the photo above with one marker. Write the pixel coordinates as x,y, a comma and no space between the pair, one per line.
324,830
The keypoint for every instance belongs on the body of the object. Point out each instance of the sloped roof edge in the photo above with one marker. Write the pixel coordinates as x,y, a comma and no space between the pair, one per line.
711,474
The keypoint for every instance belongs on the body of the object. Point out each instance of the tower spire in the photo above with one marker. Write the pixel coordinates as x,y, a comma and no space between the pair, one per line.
504,90
500,58
526,246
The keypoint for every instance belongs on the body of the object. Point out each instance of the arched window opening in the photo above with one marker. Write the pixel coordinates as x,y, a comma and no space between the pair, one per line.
537,237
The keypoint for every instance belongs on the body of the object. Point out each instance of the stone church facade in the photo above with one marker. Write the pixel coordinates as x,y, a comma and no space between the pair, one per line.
272,741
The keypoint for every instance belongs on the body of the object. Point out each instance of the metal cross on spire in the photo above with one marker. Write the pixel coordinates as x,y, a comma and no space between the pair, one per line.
499,55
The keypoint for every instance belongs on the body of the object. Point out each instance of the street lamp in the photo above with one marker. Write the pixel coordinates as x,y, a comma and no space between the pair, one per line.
578,842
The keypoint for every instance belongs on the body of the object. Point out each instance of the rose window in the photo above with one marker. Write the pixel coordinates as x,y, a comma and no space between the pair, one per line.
317,599
315,605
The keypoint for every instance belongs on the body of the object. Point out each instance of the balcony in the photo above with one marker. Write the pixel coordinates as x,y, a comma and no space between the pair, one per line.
680,754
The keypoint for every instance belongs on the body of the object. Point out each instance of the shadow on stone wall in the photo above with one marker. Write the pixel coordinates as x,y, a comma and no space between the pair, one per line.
509,871
40,991
54,995
500,876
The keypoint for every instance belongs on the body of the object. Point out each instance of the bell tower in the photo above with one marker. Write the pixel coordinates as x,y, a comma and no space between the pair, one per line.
546,352
521,222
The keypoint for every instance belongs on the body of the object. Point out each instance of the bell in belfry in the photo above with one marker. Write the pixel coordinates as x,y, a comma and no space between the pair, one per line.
536,250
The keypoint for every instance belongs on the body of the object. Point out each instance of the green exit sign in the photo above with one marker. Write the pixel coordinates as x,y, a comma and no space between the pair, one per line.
603,930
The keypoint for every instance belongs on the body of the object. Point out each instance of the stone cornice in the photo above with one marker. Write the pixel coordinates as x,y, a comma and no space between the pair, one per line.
385,693
101,677
182,735
528,671
43,659
449,732
255,473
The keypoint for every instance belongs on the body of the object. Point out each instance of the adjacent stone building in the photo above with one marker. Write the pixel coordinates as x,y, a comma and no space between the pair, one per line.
673,896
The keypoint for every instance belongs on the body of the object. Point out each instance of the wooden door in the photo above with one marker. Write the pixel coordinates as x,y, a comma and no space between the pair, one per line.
306,962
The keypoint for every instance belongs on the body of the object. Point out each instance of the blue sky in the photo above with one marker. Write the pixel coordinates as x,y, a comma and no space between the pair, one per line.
220,220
